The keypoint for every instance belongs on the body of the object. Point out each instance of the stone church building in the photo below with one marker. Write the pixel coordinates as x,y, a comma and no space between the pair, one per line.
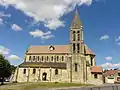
74,62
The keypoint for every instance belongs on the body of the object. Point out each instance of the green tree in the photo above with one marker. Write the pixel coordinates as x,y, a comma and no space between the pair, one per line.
5,69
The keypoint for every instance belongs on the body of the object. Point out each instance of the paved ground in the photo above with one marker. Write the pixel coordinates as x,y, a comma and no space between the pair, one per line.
102,87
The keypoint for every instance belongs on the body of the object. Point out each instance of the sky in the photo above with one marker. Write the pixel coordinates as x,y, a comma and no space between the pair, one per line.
47,22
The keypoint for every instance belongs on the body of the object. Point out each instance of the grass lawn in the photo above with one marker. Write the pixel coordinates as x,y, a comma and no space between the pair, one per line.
29,86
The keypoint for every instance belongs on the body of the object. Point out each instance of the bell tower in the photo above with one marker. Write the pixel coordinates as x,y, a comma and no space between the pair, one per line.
76,35
78,60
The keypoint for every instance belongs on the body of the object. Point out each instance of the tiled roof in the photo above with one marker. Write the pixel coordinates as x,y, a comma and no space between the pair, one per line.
46,49
43,65
96,69
110,72
65,49
88,50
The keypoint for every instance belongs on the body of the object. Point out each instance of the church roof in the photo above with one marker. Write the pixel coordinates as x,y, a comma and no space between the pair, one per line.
76,23
88,50
65,49
47,49
43,65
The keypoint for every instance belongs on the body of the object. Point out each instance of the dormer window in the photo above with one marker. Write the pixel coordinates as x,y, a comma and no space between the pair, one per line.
51,48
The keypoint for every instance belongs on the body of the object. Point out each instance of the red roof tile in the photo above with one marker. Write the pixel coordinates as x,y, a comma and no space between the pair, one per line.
46,49
96,69
110,72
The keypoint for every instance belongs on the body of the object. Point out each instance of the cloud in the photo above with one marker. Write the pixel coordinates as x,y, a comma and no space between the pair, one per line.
2,14
41,34
4,50
16,27
110,65
13,57
47,11
1,21
117,39
105,37
109,58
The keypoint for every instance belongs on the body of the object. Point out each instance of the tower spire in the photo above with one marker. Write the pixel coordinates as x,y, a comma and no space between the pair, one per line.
76,23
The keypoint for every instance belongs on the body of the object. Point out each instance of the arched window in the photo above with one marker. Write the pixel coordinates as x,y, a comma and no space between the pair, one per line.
78,35
78,48
57,58
76,67
74,36
47,58
62,58
38,58
24,71
56,71
91,60
30,58
33,58
42,58
34,71
73,47
52,58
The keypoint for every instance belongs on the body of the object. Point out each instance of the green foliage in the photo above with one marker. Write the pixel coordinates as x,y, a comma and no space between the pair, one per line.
5,68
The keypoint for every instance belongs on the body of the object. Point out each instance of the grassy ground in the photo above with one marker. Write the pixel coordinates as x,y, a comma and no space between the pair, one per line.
29,86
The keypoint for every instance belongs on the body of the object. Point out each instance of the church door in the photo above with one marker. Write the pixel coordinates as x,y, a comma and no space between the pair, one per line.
44,76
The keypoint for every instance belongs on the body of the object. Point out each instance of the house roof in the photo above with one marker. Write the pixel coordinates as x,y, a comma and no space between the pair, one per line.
96,69
110,72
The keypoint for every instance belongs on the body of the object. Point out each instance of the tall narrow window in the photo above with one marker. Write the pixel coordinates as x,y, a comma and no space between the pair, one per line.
34,71
30,58
38,58
33,58
73,47
47,58
56,71
74,36
62,58
42,58
91,59
24,71
76,67
52,58
57,58
78,48
78,35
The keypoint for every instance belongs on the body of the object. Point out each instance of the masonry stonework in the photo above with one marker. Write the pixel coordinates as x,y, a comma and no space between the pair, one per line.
73,63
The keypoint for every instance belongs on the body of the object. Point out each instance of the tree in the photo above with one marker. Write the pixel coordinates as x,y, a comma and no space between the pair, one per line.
5,69
13,68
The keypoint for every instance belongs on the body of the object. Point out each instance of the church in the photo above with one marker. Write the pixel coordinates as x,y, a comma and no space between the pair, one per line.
72,63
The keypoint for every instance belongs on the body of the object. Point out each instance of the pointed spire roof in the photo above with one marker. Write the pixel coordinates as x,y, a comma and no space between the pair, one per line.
76,23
